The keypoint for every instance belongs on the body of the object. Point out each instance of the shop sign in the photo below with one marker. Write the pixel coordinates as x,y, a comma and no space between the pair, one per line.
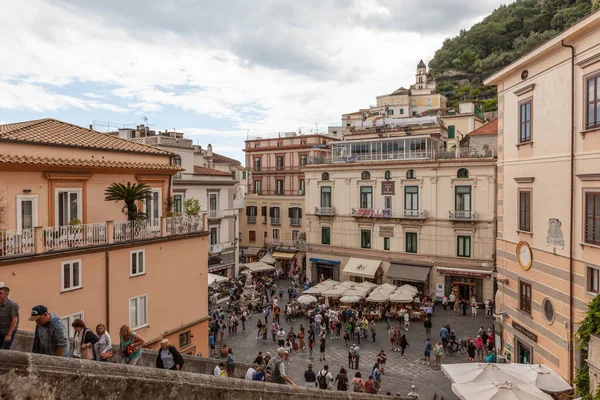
439,290
386,231
524,331
388,187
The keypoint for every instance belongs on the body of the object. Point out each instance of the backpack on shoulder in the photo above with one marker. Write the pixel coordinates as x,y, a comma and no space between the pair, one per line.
322,380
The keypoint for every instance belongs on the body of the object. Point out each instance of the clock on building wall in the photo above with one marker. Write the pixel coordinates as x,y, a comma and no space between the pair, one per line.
524,255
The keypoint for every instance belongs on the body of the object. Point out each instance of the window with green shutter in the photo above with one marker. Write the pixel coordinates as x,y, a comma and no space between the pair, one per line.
325,235
463,246
386,243
365,239
450,131
411,242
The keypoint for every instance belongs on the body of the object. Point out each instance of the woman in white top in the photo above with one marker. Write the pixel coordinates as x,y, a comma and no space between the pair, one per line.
104,345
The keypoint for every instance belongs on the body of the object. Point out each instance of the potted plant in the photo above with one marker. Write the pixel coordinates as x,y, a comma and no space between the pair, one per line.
224,350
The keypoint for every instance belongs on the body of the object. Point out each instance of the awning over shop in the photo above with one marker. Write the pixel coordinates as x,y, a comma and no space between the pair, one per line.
213,277
258,266
323,261
253,251
268,258
464,272
362,267
283,255
412,273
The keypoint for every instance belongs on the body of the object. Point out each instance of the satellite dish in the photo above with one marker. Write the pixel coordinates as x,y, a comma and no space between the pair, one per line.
217,248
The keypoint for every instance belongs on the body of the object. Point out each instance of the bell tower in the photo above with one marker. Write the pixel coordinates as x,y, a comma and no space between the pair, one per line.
421,82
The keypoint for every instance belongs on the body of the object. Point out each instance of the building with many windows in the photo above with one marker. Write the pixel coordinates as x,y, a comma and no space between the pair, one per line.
64,246
548,255
210,178
274,205
396,206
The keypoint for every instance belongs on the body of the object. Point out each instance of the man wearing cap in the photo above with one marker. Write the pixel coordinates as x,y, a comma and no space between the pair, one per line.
9,318
50,335
277,367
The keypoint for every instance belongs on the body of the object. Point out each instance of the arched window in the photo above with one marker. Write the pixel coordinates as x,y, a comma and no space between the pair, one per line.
325,176
365,176
177,160
462,173
388,175
411,174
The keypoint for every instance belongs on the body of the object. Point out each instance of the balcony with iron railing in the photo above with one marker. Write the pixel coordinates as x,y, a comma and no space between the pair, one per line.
265,192
386,213
325,211
462,215
296,244
57,238
295,221
276,169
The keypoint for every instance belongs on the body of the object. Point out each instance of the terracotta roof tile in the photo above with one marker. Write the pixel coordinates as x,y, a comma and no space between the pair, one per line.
198,170
491,128
218,158
54,132
74,162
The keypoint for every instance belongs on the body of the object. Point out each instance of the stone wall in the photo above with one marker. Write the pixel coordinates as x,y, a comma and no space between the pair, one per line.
33,376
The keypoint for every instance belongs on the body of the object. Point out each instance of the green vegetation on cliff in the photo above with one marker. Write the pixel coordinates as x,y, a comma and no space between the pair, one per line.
503,36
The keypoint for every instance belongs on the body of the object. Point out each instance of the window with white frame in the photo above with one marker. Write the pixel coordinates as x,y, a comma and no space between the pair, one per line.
593,280
295,234
70,272
67,206
153,207
275,233
27,212
388,202
178,204
137,262
138,311
67,322
214,235
213,204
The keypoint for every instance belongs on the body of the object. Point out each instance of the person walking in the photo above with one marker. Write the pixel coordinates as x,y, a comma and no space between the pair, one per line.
427,352
230,363
377,378
356,356
276,369
324,378
9,318
310,378
358,386
211,344
130,344
243,319
322,349
451,301
83,341
438,351
473,308
266,315
427,324
50,334
280,337
259,326
301,336
471,350
168,357
456,307
373,330
342,380
403,344
351,359
445,303
444,335
310,349
464,305
104,350
479,347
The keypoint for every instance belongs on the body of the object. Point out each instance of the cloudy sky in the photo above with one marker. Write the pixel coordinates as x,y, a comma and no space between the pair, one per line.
216,69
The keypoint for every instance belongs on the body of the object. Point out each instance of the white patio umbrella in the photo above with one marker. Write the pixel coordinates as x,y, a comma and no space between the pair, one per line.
357,291
386,288
337,291
349,299
368,285
378,297
348,284
306,299
478,373
498,391
409,288
538,374
329,283
315,290
401,296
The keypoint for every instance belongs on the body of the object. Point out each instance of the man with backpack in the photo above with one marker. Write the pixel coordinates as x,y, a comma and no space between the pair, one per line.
275,370
324,378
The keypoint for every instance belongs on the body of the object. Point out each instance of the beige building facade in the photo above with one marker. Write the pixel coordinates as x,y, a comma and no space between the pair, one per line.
273,217
549,196
404,210
64,246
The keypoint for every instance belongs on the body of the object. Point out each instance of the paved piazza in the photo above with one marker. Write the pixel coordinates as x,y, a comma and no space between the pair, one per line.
400,373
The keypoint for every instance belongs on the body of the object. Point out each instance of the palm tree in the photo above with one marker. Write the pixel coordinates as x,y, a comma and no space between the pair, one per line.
129,194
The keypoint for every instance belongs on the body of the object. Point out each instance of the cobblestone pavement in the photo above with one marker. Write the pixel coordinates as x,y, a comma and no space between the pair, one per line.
400,373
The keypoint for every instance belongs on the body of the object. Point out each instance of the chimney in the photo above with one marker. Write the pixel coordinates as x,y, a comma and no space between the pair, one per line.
209,150
91,126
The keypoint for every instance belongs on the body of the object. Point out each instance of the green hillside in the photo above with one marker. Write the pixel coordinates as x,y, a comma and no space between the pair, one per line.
462,62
